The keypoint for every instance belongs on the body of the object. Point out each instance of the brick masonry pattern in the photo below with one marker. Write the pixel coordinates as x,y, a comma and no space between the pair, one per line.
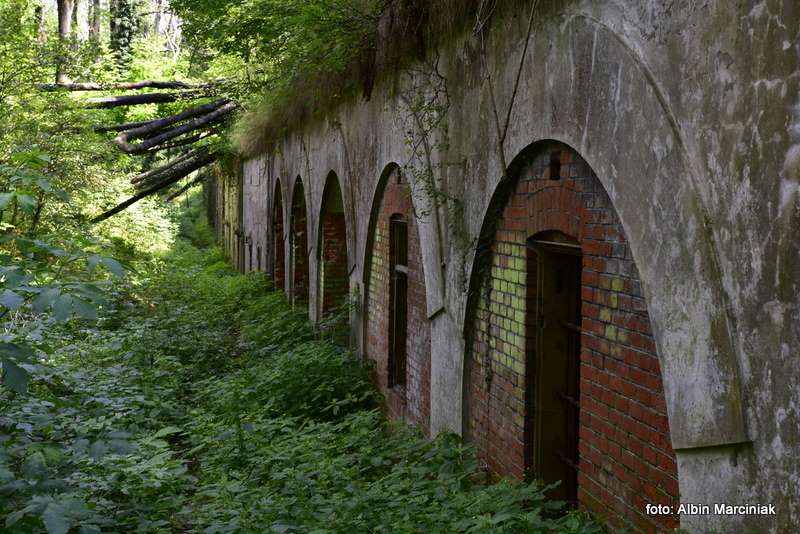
626,459
299,247
278,235
412,402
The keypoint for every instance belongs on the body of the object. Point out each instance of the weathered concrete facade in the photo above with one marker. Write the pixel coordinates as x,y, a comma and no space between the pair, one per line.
689,116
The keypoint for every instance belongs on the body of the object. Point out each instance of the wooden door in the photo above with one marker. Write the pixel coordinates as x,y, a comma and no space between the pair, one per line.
553,366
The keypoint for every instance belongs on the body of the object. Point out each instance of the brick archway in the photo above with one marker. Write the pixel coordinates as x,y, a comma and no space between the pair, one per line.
298,244
333,278
625,458
407,398
279,270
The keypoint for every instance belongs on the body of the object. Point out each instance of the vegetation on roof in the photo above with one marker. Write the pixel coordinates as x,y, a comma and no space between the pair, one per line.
299,59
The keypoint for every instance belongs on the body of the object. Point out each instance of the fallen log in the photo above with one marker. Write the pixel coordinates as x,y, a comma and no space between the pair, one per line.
107,102
176,175
186,187
183,142
201,122
139,178
144,84
155,125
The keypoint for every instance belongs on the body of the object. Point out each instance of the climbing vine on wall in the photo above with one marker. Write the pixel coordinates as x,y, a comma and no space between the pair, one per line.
425,106
482,263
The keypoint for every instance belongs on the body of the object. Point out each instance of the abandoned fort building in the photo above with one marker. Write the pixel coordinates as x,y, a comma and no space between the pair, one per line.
574,242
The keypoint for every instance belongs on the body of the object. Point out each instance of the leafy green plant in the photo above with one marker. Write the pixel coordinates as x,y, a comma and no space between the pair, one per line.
200,401
27,186
39,282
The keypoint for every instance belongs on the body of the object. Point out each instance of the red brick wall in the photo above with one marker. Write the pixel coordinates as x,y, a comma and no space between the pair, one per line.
625,455
334,282
280,252
334,279
299,244
412,402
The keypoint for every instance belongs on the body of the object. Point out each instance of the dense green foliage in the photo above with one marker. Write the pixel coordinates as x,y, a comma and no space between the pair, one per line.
42,123
297,60
288,36
146,387
55,173
282,39
56,124
289,59
200,401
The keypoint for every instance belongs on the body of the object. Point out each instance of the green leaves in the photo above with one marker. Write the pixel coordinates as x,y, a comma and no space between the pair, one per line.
48,288
5,200
26,179
204,404
12,358
10,300
45,299
14,376
26,202
55,519
109,263
167,431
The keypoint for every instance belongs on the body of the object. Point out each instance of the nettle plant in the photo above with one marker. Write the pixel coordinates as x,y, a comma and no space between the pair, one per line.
40,282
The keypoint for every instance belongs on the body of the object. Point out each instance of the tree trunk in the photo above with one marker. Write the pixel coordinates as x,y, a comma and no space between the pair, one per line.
40,20
149,98
123,28
94,21
153,126
65,9
158,171
201,122
91,86
176,175
157,14
82,20
184,141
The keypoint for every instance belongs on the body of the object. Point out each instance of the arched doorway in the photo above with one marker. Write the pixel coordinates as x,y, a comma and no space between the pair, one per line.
552,361
397,327
279,236
299,246
563,382
334,282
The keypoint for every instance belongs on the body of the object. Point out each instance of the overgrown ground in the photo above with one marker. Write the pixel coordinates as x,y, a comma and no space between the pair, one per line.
200,402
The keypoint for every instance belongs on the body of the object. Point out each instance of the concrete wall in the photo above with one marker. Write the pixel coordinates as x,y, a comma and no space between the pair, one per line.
224,202
689,115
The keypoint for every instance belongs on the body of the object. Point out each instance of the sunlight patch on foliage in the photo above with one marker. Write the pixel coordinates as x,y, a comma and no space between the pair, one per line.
200,401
